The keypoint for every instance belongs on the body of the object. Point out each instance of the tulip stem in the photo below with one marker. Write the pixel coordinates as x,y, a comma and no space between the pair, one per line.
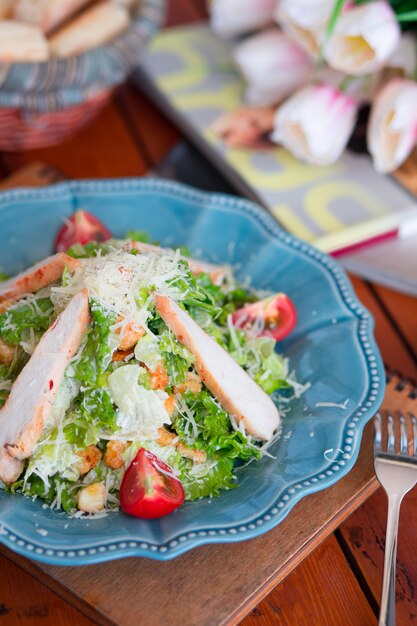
337,9
346,82
411,16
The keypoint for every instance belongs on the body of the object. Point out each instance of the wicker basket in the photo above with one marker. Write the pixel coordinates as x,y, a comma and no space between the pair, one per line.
43,103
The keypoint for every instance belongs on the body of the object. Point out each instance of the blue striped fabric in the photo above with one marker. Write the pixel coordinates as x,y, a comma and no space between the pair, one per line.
59,83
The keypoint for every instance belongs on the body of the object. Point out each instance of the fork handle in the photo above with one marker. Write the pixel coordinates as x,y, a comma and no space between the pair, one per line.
387,611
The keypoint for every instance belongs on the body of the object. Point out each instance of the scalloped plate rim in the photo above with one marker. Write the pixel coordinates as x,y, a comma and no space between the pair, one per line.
273,515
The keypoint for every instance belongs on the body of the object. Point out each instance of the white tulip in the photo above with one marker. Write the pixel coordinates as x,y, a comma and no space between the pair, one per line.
363,39
402,64
273,65
235,17
392,127
315,123
404,59
305,20
362,88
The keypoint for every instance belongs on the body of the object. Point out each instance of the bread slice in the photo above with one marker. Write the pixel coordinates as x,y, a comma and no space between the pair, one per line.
46,14
6,8
95,27
21,42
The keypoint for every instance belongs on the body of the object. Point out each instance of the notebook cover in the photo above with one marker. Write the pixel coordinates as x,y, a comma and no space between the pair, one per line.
190,75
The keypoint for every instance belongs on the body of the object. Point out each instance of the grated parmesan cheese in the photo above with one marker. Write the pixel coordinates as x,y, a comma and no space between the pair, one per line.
335,405
115,281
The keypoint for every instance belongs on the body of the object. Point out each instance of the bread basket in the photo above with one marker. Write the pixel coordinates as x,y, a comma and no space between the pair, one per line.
44,103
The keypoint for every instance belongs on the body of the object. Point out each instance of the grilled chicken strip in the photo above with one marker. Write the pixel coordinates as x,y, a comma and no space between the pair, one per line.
40,275
30,401
236,391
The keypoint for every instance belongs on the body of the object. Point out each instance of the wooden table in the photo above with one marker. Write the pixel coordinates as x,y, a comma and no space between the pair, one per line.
322,566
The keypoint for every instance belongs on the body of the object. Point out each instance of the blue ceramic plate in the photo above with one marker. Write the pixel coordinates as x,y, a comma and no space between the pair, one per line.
332,348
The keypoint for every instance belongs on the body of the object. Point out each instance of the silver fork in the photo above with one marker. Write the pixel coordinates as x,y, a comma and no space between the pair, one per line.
396,469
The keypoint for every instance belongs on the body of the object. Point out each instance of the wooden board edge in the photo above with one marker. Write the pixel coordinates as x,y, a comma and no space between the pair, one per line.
307,548
253,600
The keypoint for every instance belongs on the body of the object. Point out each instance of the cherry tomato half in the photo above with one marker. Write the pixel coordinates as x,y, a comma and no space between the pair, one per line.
149,488
82,227
277,313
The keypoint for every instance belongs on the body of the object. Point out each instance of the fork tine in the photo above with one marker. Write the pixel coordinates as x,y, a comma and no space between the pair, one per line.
403,435
414,425
391,434
378,431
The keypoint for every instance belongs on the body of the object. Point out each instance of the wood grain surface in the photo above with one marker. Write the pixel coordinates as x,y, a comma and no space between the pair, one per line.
23,600
363,537
339,580
327,585
262,562
228,580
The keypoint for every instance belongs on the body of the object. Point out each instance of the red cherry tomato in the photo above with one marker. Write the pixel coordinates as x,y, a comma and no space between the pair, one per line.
149,488
82,227
276,317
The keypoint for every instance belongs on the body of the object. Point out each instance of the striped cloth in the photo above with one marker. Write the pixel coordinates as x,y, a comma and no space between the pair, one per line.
61,83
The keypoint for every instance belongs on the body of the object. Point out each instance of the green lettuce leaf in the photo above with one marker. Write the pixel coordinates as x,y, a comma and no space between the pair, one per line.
35,487
216,435
206,480
37,315
177,359
97,408
4,378
138,235
258,357
96,355
88,250
94,405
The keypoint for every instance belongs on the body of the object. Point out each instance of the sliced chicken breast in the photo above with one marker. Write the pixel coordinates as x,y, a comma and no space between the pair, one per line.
217,273
236,391
40,275
30,401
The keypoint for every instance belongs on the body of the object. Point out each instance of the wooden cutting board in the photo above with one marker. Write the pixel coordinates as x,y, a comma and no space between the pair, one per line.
216,584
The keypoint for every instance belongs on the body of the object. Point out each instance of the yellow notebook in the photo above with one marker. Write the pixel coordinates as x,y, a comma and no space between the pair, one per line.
190,74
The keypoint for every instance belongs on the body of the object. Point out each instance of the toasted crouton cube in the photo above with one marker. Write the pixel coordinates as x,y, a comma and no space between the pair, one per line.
121,355
90,458
192,383
198,456
166,438
6,353
91,499
113,455
159,377
6,304
170,405
130,334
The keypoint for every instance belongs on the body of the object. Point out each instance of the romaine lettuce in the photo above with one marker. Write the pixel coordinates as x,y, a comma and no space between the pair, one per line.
216,436
208,479
37,315
88,250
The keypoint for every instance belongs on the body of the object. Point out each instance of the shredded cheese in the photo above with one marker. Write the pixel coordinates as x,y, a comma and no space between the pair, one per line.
335,405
